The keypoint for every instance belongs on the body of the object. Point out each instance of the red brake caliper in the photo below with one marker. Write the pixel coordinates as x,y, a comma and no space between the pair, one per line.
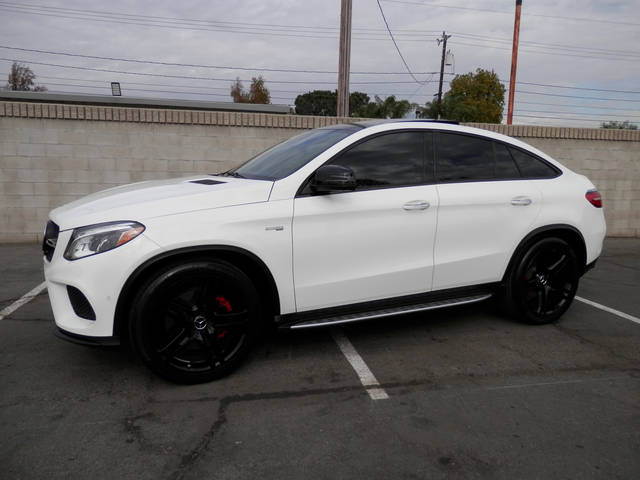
224,303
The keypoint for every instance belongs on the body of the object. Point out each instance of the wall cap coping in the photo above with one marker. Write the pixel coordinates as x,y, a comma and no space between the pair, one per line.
108,113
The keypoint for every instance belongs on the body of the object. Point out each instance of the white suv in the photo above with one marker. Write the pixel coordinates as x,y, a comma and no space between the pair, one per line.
338,224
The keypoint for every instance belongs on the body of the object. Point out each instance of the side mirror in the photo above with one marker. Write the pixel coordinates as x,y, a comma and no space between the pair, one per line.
333,178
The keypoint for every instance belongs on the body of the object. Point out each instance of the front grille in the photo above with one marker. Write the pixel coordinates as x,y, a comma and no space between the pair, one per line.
50,239
80,304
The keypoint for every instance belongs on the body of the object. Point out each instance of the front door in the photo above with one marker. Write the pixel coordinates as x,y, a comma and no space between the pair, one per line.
377,241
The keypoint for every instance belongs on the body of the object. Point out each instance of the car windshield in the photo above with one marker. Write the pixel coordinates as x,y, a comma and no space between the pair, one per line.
285,158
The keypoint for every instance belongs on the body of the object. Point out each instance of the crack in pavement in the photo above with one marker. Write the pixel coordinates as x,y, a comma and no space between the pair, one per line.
189,459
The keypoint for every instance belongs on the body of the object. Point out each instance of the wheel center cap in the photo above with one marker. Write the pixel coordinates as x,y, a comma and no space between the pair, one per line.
200,322
541,279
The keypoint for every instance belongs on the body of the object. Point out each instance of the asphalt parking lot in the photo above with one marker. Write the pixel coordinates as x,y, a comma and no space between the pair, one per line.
470,395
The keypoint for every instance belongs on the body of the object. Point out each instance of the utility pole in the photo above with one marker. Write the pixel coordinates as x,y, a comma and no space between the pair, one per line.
442,41
514,61
344,60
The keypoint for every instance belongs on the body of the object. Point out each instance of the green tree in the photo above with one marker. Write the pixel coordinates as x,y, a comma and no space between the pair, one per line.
358,102
324,103
387,108
626,125
257,93
317,102
472,97
22,78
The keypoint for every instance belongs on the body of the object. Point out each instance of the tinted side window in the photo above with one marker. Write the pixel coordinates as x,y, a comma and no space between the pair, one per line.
532,167
394,159
463,158
505,167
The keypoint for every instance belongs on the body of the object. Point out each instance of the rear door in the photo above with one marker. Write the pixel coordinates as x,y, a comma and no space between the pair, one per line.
377,241
486,208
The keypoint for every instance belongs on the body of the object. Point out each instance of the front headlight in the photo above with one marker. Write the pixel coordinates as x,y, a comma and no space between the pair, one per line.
94,239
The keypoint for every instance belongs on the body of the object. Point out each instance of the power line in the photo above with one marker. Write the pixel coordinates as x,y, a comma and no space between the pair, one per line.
179,86
428,81
564,118
220,67
394,42
361,35
226,89
583,98
189,77
590,107
546,45
250,28
105,14
580,88
529,50
582,113
486,10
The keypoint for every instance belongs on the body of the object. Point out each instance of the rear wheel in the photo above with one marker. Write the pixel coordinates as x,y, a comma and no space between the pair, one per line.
195,322
544,281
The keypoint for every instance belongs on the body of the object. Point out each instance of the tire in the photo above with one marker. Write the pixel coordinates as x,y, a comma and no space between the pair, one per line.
543,282
195,322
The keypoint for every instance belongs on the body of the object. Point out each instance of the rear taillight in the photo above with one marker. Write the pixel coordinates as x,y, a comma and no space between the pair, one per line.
594,198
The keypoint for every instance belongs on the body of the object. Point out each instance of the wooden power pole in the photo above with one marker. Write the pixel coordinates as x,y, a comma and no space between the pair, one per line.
514,62
442,40
344,60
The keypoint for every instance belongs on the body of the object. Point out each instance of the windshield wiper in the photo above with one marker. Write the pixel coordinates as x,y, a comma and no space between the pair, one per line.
229,173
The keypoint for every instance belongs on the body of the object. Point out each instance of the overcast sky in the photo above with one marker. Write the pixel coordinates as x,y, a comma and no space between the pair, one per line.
587,45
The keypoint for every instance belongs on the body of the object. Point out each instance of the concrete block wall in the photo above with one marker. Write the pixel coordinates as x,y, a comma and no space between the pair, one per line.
52,154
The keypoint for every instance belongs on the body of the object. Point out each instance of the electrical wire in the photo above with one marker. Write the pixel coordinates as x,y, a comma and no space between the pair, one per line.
580,97
503,12
105,14
220,67
580,113
545,45
563,118
364,35
190,77
395,43
529,50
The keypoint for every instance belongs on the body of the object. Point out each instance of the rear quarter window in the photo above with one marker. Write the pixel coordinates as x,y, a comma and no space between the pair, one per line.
531,166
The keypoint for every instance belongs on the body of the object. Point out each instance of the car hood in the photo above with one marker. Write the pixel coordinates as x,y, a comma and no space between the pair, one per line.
157,198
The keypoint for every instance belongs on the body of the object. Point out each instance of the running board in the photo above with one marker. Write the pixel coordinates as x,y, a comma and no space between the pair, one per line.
388,312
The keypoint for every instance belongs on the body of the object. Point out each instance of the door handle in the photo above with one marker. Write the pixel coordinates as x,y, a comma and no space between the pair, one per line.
521,201
416,205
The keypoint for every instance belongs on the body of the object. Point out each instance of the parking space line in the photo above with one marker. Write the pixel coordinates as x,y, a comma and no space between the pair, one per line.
609,309
26,298
368,380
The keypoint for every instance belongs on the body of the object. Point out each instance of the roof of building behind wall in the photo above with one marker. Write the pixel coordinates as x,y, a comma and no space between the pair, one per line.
107,100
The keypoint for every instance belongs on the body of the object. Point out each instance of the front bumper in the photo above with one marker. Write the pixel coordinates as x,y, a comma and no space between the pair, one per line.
88,341
99,278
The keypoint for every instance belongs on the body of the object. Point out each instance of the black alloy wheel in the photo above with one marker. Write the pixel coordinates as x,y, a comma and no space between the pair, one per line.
544,282
195,322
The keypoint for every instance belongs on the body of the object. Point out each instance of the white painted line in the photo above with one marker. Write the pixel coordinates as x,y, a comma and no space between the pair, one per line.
26,298
367,378
609,309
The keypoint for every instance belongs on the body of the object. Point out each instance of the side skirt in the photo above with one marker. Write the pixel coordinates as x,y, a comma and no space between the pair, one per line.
386,307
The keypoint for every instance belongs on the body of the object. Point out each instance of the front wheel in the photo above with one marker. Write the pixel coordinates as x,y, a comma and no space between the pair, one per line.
195,322
543,283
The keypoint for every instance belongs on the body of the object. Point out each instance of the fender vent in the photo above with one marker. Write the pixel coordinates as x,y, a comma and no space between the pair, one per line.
206,181
80,304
